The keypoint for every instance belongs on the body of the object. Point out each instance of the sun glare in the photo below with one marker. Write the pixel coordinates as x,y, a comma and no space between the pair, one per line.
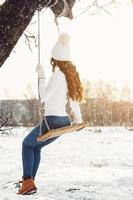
102,47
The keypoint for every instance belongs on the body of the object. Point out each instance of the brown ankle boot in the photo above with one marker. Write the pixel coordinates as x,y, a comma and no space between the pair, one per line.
28,187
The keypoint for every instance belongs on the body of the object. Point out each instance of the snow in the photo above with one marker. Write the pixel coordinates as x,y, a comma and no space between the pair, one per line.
93,164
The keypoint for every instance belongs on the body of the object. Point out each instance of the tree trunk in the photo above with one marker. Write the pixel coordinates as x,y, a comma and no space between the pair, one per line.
15,15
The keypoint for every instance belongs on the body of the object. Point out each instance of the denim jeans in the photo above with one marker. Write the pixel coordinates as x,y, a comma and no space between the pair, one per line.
31,148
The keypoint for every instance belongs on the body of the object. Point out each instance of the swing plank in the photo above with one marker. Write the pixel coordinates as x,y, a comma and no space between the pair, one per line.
60,131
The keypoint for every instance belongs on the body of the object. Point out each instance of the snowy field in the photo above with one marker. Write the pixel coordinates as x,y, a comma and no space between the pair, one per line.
88,165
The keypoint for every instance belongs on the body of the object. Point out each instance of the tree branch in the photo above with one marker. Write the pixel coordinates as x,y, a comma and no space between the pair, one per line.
15,15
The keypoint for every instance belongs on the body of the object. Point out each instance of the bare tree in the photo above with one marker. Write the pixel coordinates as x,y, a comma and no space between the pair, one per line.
106,104
15,15
7,121
126,97
33,108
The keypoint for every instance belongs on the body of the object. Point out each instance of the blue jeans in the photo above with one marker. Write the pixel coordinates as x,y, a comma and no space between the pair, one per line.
31,148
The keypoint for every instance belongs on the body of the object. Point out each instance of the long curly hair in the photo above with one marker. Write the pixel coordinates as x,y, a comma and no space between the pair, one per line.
75,88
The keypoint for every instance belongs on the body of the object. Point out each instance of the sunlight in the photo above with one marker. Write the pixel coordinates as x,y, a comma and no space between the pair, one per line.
101,45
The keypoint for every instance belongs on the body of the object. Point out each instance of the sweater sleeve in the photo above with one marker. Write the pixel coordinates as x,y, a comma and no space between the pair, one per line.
55,81
76,111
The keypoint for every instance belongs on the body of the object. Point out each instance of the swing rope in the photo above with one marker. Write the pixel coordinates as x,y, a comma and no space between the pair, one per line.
42,116
57,25
39,55
39,62
64,12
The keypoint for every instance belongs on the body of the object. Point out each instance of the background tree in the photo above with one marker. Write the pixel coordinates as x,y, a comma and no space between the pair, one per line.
7,121
126,97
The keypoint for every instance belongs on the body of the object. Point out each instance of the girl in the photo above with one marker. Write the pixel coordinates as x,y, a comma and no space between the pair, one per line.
63,85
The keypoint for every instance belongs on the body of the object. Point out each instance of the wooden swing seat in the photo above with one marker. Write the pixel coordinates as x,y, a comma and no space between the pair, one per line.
60,131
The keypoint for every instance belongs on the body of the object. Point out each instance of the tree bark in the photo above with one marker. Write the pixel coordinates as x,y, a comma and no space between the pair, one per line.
15,15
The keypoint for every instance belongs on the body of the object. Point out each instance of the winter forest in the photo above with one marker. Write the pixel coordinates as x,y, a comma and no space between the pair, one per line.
94,163
105,105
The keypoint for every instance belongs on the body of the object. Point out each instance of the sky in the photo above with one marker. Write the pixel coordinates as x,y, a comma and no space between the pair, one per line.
101,47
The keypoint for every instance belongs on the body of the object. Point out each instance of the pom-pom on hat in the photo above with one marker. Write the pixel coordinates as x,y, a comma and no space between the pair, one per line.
61,50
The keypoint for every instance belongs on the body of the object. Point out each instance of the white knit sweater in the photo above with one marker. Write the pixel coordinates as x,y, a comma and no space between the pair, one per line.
55,97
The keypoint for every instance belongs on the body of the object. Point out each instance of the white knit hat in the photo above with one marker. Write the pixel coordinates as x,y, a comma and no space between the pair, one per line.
61,50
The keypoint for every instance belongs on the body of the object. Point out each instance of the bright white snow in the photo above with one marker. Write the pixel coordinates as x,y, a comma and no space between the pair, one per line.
88,165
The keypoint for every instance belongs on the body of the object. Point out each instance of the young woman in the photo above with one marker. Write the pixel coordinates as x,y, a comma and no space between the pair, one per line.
64,84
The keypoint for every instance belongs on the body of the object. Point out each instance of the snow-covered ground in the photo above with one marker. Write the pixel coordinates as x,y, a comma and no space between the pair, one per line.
88,165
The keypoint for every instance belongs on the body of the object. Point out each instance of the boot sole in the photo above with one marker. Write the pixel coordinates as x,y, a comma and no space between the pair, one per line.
28,192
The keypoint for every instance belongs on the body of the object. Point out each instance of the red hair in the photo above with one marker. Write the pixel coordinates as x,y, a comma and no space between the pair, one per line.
75,88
